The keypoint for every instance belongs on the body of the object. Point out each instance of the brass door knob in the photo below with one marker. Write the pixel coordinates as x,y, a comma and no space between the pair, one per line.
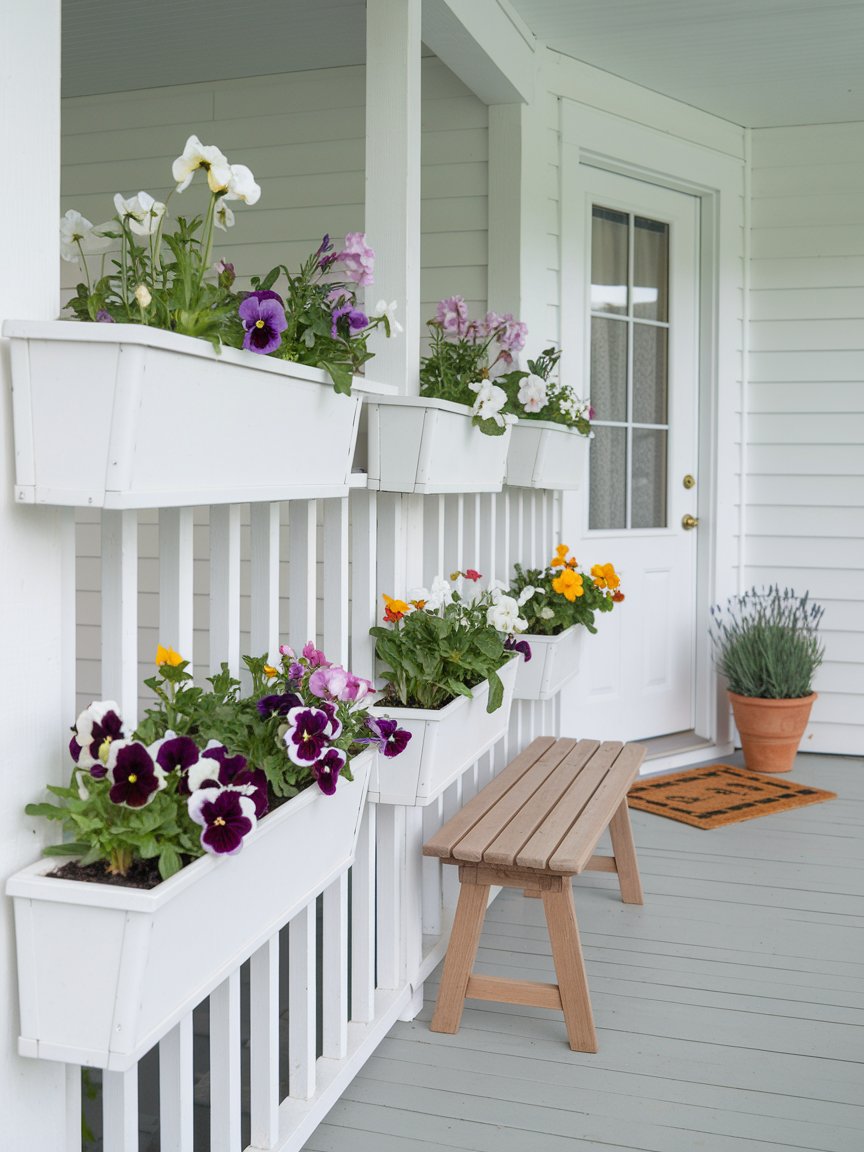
689,521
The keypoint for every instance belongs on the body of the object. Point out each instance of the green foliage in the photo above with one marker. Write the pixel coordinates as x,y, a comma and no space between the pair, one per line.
766,643
562,405
429,657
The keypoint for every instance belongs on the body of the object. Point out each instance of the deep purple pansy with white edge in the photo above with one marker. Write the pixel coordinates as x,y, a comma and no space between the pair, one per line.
234,771
135,778
326,770
225,815
278,705
389,738
514,645
308,734
96,728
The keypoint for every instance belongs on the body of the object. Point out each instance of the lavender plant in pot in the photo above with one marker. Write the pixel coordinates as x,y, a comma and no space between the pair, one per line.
766,644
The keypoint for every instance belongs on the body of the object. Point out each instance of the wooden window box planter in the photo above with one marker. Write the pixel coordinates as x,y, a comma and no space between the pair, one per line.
543,454
554,661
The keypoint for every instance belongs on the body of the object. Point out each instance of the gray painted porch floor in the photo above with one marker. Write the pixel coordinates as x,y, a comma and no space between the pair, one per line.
730,1008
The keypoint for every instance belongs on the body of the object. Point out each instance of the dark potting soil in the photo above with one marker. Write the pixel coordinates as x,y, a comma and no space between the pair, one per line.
142,874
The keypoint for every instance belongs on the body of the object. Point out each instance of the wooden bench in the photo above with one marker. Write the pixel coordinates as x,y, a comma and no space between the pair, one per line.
534,827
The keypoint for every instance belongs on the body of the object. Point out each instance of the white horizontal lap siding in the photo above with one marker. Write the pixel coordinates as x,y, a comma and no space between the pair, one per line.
805,418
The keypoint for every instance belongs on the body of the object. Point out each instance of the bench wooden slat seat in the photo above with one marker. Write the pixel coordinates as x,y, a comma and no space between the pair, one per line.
534,827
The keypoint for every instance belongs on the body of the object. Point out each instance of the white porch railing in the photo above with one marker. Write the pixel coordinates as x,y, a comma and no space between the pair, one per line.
264,1057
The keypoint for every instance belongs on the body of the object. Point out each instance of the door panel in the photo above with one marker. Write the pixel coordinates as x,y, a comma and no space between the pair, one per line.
638,307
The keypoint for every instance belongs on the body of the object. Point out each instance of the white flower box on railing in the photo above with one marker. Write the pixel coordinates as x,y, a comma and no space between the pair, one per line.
423,445
104,972
444,742
126,416
554,661
543,454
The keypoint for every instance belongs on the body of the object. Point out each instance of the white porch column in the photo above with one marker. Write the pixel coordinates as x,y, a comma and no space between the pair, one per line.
33,709
393,180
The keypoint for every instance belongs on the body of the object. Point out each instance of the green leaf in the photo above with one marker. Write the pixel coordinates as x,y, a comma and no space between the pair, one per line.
496,693
341,376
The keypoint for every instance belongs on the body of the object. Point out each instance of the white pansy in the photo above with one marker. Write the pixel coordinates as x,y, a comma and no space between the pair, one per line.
533,393
242,186
504,616
223,217
207,156
526,594
76,230
546,613
142,213
490,400
438,596
142,295
382,308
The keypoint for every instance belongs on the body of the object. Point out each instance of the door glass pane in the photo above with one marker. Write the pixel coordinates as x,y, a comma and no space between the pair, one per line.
649,478
609,260
650,269
608,483
609,368
650,370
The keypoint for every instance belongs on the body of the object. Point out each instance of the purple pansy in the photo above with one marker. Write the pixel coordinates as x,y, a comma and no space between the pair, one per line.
326,770
513,645
279,704
135,779
264,321
234,771
386,734
356,319
103,316
226,816
95,730
309,733
176,754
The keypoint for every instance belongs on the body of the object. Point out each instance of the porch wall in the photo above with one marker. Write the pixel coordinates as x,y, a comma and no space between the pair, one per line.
805,414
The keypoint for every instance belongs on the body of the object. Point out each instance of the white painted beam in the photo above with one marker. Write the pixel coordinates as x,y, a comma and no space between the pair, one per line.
486,44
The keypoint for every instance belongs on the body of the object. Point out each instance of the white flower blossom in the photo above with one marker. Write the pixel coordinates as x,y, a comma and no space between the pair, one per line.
207,156
490,400
546,613
532,393
142,213
76,230
525,595
223,217
142,295
440,594
382,308
504,616
241,185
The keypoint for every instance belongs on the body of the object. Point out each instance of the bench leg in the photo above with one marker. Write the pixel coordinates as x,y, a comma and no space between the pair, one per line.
570,968
624,851
461,951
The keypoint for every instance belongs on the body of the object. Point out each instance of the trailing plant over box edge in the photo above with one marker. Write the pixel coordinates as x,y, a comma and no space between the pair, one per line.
166,279
766,644
440,644
204,765
560,595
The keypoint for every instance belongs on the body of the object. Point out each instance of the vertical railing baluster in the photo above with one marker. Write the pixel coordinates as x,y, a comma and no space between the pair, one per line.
302,583
73,1101
120,612
454,535
225,1065
120,1111
364,605
225,587
432,820
363,920
175,1088
411,910
390,853
434,519
301,1004
335,617
264,1044
264,578
334,972
176,593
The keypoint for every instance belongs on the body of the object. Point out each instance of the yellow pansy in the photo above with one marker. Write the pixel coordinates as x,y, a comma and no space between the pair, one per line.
271,672
560,557
605,576
568,584
167,656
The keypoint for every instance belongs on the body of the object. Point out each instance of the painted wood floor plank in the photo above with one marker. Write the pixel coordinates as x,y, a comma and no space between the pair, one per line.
636,1085
646,1110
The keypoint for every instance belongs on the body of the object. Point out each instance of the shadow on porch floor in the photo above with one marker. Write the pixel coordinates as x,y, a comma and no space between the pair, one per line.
730,1008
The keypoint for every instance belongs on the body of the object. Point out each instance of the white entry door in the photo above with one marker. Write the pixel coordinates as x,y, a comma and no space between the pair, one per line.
635,247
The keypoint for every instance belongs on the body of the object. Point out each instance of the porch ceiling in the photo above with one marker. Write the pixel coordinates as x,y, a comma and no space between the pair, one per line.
765,64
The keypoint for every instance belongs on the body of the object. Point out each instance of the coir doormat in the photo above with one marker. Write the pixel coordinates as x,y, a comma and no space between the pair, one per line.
720,794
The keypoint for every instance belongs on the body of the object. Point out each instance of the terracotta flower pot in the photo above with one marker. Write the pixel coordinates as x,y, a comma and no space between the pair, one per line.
770,730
